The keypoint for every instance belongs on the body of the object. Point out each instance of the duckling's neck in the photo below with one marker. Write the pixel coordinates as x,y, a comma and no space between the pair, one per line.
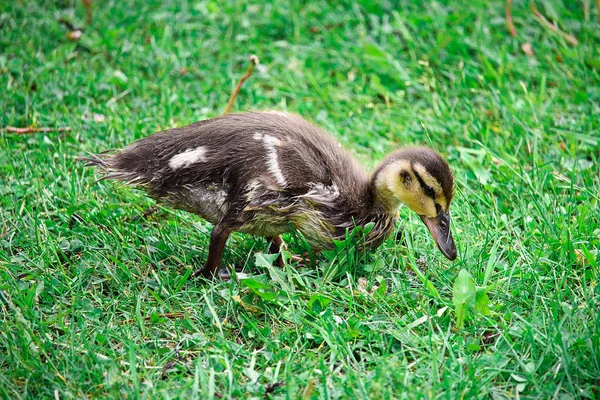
385,185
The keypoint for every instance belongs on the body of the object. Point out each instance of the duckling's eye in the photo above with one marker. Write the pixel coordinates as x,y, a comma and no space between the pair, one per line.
429,191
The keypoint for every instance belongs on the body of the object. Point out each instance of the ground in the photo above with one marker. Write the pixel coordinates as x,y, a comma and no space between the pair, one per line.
96,298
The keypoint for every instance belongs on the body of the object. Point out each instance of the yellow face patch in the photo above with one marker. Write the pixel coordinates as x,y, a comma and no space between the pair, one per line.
397,183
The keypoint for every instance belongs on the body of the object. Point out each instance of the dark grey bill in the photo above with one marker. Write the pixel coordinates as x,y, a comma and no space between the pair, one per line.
439,227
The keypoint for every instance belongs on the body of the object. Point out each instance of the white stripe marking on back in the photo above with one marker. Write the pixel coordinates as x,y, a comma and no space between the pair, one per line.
271,144
188,157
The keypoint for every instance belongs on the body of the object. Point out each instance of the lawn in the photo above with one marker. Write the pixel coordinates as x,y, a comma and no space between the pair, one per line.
96,297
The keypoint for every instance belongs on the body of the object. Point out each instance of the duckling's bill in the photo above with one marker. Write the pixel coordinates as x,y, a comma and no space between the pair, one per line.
439,226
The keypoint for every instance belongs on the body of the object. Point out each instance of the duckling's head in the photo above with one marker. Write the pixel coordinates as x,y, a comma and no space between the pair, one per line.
421,179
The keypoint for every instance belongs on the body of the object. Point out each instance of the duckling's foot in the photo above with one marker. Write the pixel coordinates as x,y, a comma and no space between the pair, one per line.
299,259
221,274
203,272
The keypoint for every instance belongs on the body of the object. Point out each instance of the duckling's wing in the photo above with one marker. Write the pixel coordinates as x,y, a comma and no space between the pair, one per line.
313,159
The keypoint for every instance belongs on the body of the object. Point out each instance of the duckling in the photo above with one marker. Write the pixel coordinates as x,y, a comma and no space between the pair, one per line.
264,173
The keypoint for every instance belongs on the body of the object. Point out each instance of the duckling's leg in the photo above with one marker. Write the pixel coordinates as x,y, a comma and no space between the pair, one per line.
275,247
218,238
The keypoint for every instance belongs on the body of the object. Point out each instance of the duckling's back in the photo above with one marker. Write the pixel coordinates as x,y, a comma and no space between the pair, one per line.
240,164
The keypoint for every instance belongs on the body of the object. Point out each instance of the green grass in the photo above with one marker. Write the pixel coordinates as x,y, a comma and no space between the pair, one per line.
95,304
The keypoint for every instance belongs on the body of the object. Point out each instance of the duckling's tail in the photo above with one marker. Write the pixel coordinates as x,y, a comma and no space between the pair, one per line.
107,163
102,160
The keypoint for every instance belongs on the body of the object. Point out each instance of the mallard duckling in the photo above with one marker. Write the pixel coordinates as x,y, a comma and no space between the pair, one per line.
266,172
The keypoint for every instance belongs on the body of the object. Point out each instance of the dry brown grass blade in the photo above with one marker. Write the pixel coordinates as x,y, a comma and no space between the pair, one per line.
236,91
598,9
31,129
308,390
174,315
509,19
88,11
570,38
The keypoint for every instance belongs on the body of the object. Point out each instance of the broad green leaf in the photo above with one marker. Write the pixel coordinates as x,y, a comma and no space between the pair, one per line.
482,301
473,345
260,289
254,284
464,291
463,296
460,311
318,303
265,260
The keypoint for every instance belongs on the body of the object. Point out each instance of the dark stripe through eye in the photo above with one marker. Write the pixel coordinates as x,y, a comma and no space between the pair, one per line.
428,189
